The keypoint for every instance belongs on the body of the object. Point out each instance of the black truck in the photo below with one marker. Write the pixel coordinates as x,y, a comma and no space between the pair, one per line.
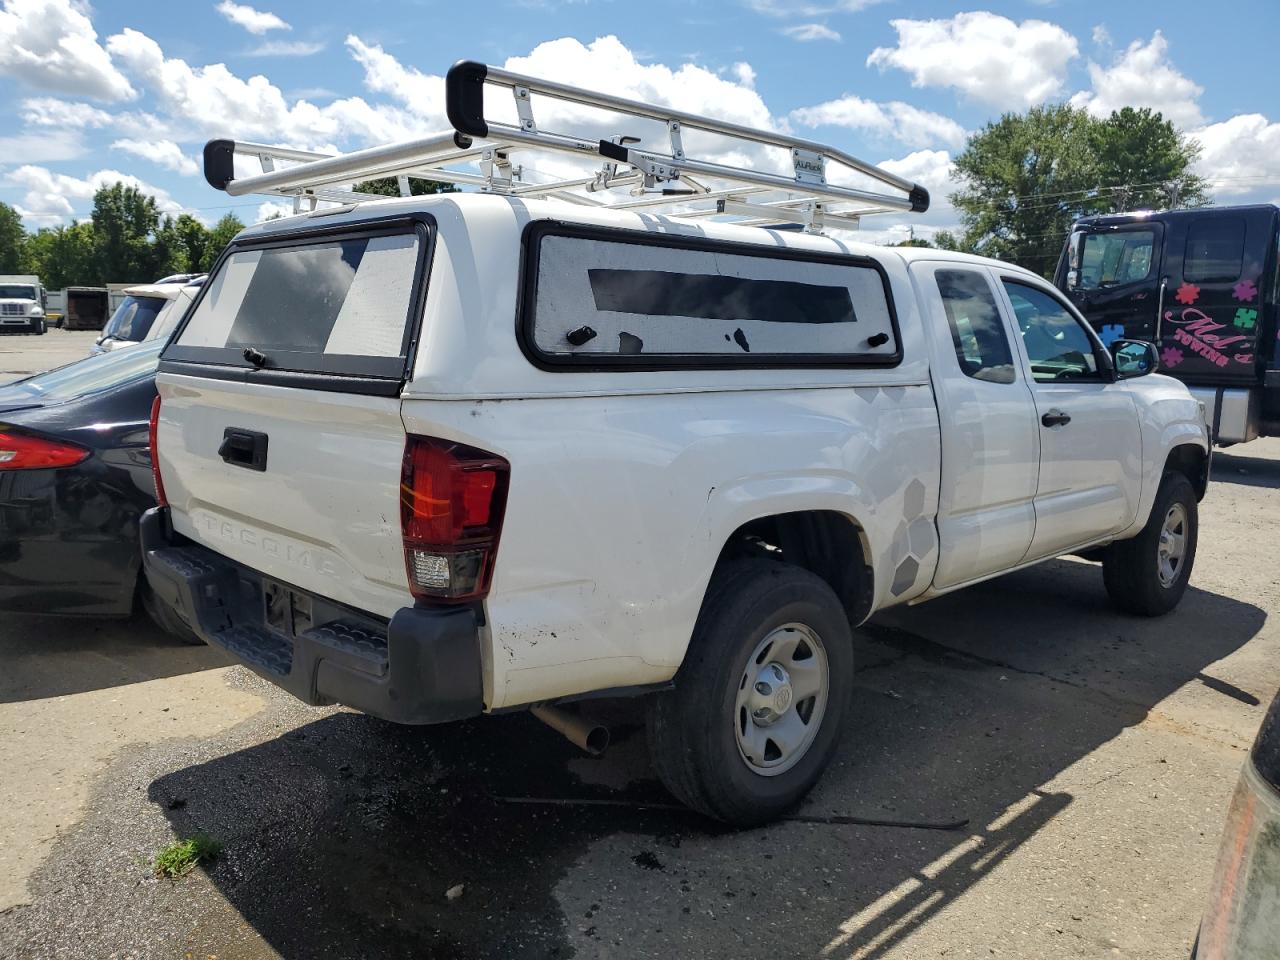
1200,284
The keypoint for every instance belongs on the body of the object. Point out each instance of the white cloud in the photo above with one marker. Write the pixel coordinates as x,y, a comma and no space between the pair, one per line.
285,48
901,121
256,22
46,146
47,201
52,112
985,56
211,101
383,73
271,209
51,45
1241,156
932,169
1142,76
806,32
163,153
614,69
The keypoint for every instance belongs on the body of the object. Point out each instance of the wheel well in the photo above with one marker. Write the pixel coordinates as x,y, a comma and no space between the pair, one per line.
1193,463
824,542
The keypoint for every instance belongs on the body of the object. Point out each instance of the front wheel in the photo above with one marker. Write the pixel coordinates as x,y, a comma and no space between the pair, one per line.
760,700
1148,574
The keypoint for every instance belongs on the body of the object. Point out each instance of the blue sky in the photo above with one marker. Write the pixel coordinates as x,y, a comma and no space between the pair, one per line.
91,93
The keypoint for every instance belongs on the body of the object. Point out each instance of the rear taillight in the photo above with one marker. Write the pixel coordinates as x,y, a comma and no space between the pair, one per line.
161,499
22,451
452,499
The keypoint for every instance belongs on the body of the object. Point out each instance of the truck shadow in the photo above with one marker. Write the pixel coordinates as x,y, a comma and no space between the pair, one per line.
1249,471
343,836
57,656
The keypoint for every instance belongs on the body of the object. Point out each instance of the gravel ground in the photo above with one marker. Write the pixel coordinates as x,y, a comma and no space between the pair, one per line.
1090,756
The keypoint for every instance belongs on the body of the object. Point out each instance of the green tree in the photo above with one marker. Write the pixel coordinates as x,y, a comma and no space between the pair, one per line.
223,232
192,241
390,187
12,239
1144,163
125,221
62,256
1025,178
1022,181
946,240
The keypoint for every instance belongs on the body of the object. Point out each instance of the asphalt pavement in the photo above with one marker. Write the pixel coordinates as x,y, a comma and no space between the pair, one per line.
22,354
1058,772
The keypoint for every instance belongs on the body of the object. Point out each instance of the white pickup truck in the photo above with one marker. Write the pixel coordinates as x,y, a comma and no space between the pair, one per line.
435,457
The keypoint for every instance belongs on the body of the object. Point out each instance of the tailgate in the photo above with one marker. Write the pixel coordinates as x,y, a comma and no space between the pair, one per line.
323,514
280,439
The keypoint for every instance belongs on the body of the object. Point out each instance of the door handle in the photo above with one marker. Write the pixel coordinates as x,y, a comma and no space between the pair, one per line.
244,448
1055,418
1164,282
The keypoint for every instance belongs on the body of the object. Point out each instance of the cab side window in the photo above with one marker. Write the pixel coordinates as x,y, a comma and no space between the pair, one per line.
1056,343
1215,250
982,346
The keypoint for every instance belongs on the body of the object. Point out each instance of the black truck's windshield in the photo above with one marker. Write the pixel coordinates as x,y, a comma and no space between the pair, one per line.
1111,259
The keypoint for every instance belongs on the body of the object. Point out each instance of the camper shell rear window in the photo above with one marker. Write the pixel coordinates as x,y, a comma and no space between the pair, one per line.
601,298
339,304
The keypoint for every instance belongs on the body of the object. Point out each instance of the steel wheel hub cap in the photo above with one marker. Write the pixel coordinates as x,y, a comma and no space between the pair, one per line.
1171,551
782,694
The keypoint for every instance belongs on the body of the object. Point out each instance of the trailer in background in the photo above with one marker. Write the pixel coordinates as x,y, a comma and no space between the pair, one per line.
87,308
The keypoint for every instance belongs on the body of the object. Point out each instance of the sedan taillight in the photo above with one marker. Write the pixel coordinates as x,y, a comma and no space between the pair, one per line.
22,451
452,500
161,499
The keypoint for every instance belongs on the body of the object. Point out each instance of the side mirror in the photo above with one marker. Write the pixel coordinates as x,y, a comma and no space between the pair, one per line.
1134,358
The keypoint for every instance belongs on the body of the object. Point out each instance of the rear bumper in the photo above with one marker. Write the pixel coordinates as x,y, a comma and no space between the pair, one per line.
421,667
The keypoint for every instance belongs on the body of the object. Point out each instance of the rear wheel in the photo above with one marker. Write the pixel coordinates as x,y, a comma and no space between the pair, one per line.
760,700
1148,574
164,617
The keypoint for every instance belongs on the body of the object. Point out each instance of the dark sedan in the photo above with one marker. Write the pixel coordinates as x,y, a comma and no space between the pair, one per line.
75,474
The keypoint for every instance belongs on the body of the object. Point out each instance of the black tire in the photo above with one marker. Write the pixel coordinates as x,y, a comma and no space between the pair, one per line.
691,731
1131,568
163,617
39,328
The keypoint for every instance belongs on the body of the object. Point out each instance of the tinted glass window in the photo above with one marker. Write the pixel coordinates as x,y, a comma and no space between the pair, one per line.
1215,250
10,292
1113,259
1055,342
133,318
597,297
982,347
307,307
664,293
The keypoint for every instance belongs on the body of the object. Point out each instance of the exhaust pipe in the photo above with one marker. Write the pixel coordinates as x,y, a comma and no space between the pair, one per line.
588,736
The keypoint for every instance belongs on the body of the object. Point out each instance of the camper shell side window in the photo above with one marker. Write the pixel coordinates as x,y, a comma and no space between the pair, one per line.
597,298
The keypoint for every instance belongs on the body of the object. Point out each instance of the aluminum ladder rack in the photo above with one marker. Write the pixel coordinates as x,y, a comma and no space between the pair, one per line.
478,153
